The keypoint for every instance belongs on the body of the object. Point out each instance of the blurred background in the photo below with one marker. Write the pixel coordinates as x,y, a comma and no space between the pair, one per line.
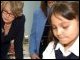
29,8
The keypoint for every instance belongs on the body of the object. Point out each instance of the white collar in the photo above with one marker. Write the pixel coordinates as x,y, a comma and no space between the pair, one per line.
74,48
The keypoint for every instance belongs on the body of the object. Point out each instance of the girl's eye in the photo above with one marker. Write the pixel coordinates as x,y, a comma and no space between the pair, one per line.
65,27
54,27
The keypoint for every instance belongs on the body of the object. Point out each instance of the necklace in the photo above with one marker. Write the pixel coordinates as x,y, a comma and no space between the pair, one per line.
6,28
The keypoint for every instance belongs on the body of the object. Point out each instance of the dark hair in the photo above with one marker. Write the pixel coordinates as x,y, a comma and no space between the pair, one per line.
68,10
44,7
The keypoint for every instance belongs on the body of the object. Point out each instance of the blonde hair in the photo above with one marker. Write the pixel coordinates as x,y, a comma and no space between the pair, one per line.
16,7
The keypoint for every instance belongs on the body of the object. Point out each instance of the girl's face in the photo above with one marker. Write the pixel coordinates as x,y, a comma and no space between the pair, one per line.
7,15
66,31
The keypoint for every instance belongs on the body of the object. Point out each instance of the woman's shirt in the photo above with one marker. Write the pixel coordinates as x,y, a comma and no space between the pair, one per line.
16,32
50,52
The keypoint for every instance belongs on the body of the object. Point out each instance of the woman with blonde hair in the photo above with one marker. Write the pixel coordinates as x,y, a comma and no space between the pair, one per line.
12,26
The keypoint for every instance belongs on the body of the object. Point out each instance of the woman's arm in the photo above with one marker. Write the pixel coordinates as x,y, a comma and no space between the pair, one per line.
18,40
32,39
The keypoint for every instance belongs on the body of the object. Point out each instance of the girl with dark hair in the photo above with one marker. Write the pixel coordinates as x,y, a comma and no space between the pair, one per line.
64,20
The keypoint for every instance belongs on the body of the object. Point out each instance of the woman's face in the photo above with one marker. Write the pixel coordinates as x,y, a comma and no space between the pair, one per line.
7,15
65,30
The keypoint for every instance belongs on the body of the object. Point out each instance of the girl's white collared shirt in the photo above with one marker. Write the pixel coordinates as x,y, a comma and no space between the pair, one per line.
49,52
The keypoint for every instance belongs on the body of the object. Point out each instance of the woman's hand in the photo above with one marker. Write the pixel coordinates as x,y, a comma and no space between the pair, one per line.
35,56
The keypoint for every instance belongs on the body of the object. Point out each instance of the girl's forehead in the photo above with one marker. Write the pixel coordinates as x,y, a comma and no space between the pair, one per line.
58,18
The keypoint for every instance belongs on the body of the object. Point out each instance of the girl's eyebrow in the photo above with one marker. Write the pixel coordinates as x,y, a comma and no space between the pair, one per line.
65,23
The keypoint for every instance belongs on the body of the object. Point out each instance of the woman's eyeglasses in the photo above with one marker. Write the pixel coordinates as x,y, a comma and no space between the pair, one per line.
7,13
